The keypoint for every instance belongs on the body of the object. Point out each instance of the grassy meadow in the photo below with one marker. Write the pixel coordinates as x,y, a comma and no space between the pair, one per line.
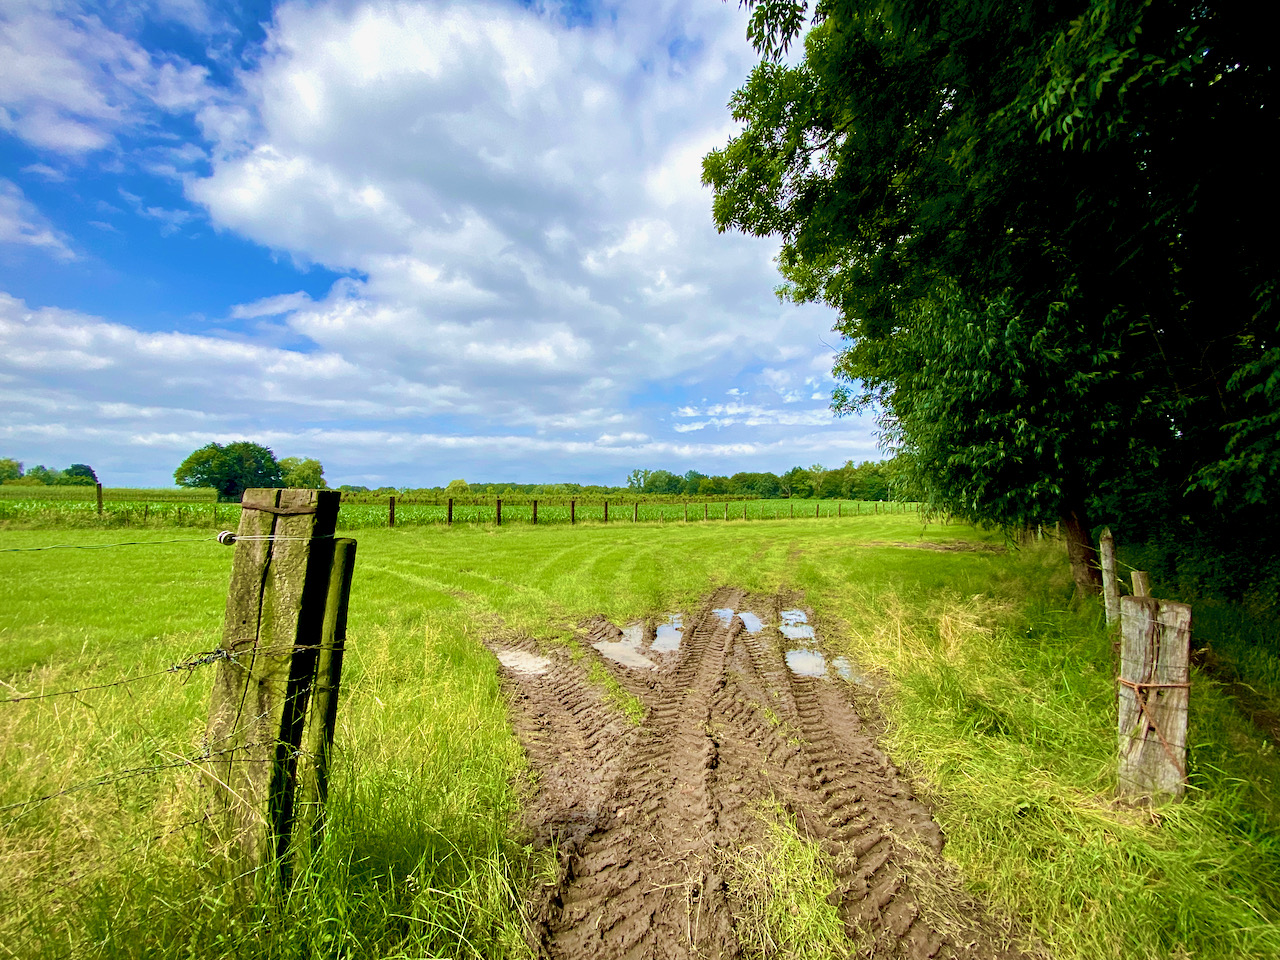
996,693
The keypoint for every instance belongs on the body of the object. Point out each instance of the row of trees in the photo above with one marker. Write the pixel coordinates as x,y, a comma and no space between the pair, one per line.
866,481
1048,230
236,467
78,474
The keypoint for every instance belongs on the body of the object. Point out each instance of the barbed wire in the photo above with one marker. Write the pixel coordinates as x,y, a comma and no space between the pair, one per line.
225,537
191,663
134,772
105,546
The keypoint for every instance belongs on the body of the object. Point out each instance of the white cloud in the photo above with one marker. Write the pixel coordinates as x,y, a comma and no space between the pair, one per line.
271,306
69,83
22,224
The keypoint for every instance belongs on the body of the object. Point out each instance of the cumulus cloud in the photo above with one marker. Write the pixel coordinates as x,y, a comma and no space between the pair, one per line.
513,203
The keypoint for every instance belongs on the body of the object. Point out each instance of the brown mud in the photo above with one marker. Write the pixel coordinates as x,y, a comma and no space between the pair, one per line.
642,816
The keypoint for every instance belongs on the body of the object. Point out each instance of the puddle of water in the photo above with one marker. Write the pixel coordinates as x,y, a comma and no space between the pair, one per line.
519,661
633,634
669,634
625,654
795,625
749,619
807,663
845,669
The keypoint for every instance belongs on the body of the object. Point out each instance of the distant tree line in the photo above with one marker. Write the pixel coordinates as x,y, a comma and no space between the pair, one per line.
865,481
78,474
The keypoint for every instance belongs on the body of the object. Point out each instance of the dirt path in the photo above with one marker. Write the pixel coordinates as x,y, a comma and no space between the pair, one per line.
644,815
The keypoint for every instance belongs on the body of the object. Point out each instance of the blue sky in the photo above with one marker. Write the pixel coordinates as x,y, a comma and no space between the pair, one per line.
418,241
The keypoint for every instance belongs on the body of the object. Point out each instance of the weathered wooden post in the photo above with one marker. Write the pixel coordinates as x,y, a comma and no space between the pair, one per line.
272,634
838,513
498,515
1141,584
98,488
726,510
606,511
535,511
1110,585
706,511
1154,693
449,513
686,511
391,511
635,514
816,507
322,718
572,517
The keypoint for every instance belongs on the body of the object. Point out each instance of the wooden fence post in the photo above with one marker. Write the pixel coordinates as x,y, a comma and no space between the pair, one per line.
726,510
706,511
498,516
1110,585
449,515
686,511
572,517
99,493
322,718
816,507
1141,584
1154,692
635,515
535,511
838,513
606,511
391,511
272,634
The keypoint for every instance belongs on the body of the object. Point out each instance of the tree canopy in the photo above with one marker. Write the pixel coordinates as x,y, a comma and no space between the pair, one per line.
1041,226
230,469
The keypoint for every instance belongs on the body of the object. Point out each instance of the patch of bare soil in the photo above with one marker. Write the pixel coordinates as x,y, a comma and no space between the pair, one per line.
952,546
642,816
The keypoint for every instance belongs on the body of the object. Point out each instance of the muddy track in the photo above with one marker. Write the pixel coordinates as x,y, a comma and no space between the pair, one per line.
647,818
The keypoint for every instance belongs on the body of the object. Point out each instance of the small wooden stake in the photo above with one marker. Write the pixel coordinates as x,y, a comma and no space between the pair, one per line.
449,513
99,492
1110,584
1154,692
391,511
498,516
1141,584
535,511
635,515
606,511
322,718
272,634
726,511
686,511
816,507
706,511
572,517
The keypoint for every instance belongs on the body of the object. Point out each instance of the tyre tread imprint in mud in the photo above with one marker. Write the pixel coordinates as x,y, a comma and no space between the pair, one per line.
645,817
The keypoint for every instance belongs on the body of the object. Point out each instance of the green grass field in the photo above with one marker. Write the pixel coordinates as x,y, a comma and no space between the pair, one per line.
996,693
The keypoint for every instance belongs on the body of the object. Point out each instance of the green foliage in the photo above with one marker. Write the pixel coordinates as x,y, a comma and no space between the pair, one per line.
303,473
231,469
9,469
1041,228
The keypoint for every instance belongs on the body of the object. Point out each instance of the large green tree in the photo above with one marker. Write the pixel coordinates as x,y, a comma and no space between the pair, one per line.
230,469
1046,228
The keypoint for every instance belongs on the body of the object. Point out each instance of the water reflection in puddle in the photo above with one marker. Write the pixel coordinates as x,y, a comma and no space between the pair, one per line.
749,619
795,625
669,634
633,633
846,671
625,654
807,663
522,662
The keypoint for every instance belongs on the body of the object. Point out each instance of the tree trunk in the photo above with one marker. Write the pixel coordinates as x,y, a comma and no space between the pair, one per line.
1083,557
